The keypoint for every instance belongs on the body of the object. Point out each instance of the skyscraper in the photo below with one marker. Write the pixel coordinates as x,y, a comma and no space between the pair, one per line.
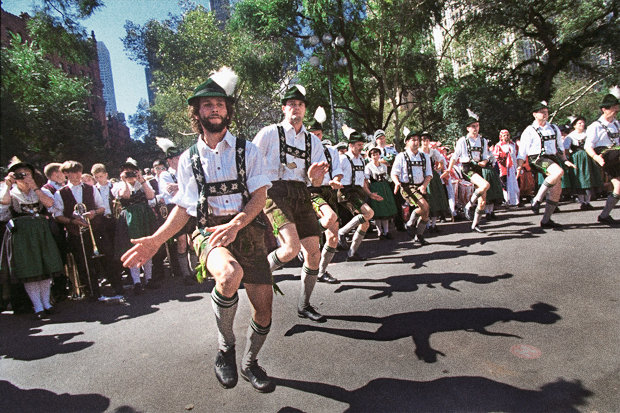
105,68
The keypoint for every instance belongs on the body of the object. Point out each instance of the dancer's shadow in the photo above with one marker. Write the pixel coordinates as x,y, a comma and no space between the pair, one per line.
15,399
525,233
418,260
24,344
410,283
449,394
420,325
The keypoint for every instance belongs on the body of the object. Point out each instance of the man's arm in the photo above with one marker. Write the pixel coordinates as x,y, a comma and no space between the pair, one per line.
146,247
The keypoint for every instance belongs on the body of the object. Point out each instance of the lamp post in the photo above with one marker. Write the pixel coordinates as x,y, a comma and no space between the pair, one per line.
329,43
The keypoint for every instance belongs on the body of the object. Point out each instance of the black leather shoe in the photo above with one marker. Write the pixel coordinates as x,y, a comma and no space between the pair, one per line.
49,311
310,313
327,278
258,378
356,257
410,231
388,235
420,240
137,288
226,368
536,207
550,225
608,220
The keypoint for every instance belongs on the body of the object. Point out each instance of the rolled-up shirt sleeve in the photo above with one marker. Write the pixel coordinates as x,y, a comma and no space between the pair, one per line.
187,195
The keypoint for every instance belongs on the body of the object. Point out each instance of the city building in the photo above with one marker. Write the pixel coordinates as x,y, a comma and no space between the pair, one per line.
105,69
114,131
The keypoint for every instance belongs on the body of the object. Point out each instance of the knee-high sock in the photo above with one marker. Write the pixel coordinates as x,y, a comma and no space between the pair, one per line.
32,289
413,218
184,264
274,261
378,226
308,281
135,274
45,291
327,254
224,309
612,200
433,221
542,191
358,237
549,208
588,197
256,337
148,269
357,220
421,227
477,216
474,197
489,207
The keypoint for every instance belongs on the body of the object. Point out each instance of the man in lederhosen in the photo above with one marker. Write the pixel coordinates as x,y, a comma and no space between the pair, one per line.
325,199
411,174
168,188
354,193
221,182
540,142
603,145
473,153
293,158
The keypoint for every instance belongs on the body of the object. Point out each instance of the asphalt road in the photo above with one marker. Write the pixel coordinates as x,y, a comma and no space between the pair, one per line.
514,320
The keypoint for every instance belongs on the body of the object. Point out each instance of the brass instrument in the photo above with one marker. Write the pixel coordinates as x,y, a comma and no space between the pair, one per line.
71,271
117,207
80,209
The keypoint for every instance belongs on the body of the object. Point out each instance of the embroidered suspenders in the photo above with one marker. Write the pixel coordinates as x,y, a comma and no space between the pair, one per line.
410,164
471,149
612,136
354,168
293,151
544,139
206,189
328,156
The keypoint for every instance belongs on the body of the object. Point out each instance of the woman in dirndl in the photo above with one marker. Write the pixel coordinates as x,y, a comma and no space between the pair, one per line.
136,219
587,176
437,193
377,174
505,152
28,249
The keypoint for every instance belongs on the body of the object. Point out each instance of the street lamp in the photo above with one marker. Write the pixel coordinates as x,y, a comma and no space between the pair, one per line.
329,43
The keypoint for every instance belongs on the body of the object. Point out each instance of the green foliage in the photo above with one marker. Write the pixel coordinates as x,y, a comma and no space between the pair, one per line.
44,114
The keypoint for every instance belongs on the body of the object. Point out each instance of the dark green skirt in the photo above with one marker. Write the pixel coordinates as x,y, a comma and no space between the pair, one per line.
387,207
135,221
588,173
35,253
437,196
495,194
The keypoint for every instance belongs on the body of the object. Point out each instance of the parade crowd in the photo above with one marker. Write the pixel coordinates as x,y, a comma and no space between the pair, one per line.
236,211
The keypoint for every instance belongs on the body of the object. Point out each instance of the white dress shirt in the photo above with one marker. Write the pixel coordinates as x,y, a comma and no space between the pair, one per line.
531,143
596,135
401,171
268,142
347,171
219,165
76,190
461,153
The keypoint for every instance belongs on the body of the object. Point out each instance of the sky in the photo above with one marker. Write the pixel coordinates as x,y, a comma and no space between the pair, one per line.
107,23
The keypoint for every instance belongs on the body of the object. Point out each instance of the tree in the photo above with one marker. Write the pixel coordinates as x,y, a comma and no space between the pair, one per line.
183,50
44,110
533,41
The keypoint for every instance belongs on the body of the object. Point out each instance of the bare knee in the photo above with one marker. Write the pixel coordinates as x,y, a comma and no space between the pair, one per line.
229,278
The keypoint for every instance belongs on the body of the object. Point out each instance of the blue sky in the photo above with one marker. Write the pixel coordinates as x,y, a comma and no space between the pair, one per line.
107,23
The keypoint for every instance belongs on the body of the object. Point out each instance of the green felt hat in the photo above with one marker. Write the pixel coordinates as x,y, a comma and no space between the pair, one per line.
538,106
295,92
220,84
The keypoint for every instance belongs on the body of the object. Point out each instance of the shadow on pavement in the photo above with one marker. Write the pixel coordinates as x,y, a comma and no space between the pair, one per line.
450,394
24,344
15,399
420,325
411,282
418,260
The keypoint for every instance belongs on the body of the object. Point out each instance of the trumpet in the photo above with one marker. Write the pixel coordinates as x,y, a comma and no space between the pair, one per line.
80,209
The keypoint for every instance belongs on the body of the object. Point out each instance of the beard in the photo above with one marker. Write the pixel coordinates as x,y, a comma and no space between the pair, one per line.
212,127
